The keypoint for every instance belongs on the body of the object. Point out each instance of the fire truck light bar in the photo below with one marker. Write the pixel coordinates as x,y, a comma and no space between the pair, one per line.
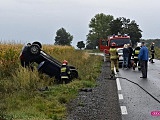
116,36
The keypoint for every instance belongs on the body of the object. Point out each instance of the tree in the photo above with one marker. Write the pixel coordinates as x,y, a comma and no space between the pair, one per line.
63,37
99,26
90,46
134,32
132,29
125,23
115,26
80,45
92,41
126,26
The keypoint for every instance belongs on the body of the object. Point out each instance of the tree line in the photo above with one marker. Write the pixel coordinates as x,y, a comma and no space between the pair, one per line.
101,26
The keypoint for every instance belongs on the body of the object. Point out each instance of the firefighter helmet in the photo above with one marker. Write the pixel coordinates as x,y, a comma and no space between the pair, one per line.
113,44
65,62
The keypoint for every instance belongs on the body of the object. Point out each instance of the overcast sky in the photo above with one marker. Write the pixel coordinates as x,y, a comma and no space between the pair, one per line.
30,20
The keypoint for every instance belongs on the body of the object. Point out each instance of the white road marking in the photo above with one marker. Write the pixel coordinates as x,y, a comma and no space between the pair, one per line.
117,80
118,84
120,96
124,110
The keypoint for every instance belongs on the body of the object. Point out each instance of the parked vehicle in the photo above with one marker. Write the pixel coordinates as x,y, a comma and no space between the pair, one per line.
32,53
120,53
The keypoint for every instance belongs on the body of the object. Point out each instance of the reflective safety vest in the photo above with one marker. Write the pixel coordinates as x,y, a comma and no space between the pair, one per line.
65,72
113,53
136,52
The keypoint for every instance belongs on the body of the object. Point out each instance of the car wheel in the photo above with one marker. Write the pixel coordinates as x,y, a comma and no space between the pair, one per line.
74,74
37,43
34,49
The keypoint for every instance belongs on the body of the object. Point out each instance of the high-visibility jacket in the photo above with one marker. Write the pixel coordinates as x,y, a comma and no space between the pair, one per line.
65,72
113,53
136,52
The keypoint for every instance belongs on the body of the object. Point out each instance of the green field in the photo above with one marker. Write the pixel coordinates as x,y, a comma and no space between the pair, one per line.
19,87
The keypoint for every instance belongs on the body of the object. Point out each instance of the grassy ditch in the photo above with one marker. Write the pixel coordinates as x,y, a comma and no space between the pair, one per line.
20,96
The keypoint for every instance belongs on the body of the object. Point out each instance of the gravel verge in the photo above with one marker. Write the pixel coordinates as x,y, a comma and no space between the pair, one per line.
100,103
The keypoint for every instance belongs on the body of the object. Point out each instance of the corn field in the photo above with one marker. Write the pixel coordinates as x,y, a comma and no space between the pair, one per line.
20,97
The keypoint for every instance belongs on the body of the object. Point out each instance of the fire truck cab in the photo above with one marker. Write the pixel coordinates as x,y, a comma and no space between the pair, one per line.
120,40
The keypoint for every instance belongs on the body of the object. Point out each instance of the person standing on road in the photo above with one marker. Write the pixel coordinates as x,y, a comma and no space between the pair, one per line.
143,57
65,72
113,58
135,56
152,52
130,55
125,56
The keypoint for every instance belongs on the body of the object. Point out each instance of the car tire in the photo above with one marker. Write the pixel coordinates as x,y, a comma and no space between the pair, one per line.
37,43
74,74
34,49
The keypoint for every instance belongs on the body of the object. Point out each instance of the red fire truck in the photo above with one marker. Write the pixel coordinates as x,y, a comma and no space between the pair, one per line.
120,40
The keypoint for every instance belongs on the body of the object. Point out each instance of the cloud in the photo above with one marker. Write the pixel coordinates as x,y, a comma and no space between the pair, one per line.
40,19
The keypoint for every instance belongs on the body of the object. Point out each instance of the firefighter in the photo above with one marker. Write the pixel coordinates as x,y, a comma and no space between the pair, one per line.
113,58
152,52
65,72
135,56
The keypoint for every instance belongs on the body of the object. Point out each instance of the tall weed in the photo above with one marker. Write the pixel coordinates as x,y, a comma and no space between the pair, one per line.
22,91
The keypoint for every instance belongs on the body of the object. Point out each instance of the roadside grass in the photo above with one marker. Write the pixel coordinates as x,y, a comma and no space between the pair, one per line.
157,53
20,88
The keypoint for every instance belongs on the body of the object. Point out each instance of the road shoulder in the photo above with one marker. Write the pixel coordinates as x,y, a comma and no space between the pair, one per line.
101,103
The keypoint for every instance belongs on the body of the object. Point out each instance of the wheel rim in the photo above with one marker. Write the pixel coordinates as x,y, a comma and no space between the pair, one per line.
34,50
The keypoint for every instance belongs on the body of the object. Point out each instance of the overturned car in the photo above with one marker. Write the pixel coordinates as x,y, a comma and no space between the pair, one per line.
46,64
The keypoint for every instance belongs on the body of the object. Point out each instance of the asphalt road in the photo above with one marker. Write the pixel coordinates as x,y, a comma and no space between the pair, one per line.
139,100
136,103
